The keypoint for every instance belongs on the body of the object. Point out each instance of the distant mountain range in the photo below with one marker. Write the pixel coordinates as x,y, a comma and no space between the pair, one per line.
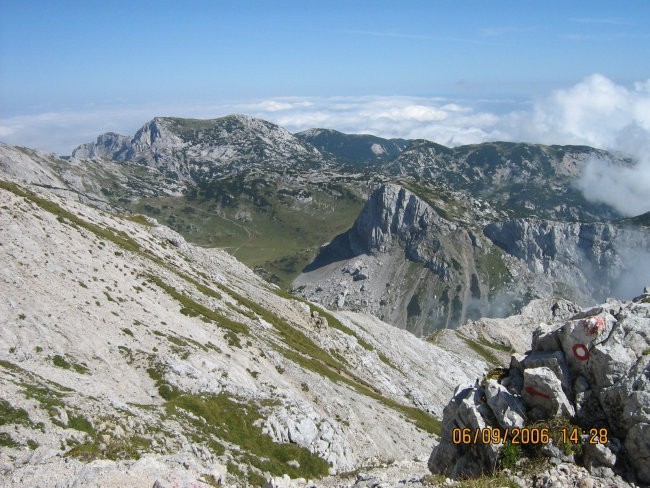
421,235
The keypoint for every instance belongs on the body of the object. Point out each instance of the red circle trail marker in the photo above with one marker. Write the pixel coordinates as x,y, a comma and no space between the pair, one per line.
580,352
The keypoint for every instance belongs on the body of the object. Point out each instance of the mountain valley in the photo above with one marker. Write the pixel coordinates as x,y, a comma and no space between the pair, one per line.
221,302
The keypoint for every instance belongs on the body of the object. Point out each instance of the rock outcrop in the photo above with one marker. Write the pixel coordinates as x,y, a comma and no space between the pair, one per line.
412,265
195,151
589,375
109,145
405,263
591,260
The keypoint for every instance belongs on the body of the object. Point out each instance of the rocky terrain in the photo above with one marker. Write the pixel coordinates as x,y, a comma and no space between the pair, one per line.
580,393
405,263
200,150
130,357
272,199
128,373
121,342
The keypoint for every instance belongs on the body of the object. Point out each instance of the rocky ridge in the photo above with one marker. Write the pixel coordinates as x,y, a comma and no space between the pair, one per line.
97,181
196,151
354,149
532,179
523,179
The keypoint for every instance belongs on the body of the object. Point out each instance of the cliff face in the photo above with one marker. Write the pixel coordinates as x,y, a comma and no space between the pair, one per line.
599,259
402,261
405,263
108,145
394,213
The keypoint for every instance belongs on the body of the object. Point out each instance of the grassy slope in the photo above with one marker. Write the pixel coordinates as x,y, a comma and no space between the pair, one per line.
282,237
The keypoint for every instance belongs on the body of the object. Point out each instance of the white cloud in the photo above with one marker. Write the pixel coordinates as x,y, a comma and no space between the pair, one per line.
599,113
596,112
626,189
272,106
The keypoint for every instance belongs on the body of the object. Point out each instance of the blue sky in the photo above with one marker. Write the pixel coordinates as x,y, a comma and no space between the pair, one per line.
72,69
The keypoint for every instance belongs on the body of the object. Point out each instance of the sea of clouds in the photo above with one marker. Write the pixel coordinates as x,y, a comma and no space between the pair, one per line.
595,112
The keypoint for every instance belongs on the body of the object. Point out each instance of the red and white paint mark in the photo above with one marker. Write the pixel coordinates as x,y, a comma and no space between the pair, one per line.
581,352
593,326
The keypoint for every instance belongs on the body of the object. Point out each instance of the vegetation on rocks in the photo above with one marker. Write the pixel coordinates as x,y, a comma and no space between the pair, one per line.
220,418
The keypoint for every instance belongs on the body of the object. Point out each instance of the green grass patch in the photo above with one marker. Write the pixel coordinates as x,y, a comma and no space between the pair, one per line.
488,481
118,449
194,307
278,235
224,418
61,362
138,219
45,396
7,441
481,349
42,392
509,455
81,424
13,416
165,390
559,429
384,359
495,345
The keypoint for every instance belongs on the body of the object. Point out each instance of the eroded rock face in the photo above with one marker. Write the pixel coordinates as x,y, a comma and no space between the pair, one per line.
593,369
421,268
404,262
108,145
592,258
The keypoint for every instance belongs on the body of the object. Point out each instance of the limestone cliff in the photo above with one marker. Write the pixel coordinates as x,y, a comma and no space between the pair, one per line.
595,259
405,263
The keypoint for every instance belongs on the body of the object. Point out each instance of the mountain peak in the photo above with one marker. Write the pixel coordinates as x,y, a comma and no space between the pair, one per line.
199,149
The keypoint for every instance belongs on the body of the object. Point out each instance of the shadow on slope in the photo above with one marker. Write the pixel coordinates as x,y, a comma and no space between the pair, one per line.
339,249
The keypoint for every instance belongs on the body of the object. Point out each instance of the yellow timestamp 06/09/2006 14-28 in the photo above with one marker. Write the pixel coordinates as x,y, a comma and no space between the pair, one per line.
529,435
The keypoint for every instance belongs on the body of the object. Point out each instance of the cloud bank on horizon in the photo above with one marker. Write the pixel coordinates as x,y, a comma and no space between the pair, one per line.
595,112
